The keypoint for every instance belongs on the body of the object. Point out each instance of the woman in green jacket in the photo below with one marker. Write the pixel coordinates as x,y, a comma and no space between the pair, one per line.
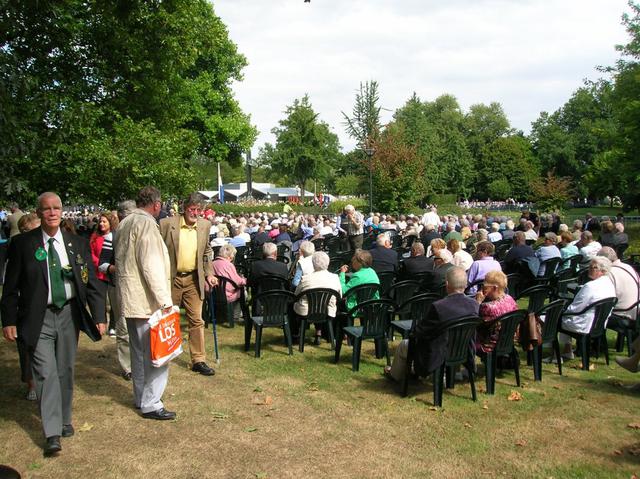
362,274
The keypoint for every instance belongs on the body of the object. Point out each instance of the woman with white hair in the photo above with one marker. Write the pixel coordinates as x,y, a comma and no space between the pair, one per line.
304,265
318,278
600,287
495,234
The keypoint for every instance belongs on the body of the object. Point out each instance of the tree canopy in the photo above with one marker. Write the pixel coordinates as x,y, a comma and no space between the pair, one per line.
86,84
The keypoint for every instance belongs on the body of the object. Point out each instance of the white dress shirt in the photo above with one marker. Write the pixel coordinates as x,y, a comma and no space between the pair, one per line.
591,292
58,243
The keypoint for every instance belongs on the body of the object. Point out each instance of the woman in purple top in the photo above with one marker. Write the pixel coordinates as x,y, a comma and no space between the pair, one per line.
483,264
494,302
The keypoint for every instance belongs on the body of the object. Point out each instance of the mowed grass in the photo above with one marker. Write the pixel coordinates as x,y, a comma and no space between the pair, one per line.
303,416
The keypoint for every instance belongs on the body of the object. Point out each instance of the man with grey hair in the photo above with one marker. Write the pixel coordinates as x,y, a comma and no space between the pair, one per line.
385,259
50,286
547,251
430,343
351,223
600,287
416,263
588,246
144,286
303,266
268,265
626,283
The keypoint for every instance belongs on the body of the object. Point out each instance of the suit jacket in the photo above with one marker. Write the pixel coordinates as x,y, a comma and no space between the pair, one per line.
267,266
26,287
384,259
170,232
431,345
416,264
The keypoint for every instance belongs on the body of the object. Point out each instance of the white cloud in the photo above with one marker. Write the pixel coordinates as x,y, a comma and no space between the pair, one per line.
529,55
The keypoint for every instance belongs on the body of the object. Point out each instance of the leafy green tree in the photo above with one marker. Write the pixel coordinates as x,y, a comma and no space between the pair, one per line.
305,147
74,72
398,172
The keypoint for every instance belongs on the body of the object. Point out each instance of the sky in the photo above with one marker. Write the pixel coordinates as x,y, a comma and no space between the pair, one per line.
528,55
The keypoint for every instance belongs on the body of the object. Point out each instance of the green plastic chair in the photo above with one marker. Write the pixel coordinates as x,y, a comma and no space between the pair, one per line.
375,316
504,347
597,333
275,313
552,313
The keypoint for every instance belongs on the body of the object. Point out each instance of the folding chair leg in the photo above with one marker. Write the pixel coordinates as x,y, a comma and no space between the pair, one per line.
472,381
248,327
332,337
620,342
287,334
606,348
355,358
386,351
404,389
584,352
232,322
338,348
258,339
556,349
438,383
516,365
303,330
490,376
537,363
450,380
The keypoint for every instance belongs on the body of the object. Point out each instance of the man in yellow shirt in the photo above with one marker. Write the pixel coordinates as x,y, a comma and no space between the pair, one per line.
190,256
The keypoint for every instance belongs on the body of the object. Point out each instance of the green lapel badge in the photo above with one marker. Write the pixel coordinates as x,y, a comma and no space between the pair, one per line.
41,254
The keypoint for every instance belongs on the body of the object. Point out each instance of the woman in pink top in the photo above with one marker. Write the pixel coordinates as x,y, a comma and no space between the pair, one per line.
223,266
494,302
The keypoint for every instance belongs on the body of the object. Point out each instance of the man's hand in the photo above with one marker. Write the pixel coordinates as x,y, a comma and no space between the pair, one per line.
211,281
167,310
102,327
10,333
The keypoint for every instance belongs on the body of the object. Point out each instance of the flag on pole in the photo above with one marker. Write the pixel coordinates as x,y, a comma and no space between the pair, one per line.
220,187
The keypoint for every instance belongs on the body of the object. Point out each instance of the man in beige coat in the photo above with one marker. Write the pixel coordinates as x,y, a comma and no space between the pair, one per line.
190,256
142,262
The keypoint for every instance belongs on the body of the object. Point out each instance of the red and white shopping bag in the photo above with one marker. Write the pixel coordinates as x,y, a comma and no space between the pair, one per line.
166,340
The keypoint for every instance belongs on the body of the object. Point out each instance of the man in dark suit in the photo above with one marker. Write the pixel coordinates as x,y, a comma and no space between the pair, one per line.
190,257
417,262
384,258
268,265
519,251
49,282
430,346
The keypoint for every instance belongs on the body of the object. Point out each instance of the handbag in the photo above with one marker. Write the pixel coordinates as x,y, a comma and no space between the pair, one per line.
530,332
165,337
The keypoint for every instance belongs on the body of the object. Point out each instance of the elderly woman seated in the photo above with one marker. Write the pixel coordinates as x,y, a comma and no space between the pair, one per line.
304,266
223,266
319,278
600,287
363,273
494,302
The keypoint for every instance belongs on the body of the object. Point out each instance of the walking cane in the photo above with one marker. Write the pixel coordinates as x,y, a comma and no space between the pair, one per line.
212,314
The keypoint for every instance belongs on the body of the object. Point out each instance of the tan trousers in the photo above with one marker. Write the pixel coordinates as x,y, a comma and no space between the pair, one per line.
184,292
122,334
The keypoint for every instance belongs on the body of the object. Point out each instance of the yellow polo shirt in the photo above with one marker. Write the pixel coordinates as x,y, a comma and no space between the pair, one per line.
188,247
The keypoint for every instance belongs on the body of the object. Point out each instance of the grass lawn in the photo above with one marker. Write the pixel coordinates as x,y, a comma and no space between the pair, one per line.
303,416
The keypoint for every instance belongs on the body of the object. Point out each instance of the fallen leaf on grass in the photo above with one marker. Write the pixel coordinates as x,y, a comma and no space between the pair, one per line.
467,425
313,387
85,427
250,429
634,425
433,408
515,396
485,406
557,387
617,452
262,401
521,443
219,415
